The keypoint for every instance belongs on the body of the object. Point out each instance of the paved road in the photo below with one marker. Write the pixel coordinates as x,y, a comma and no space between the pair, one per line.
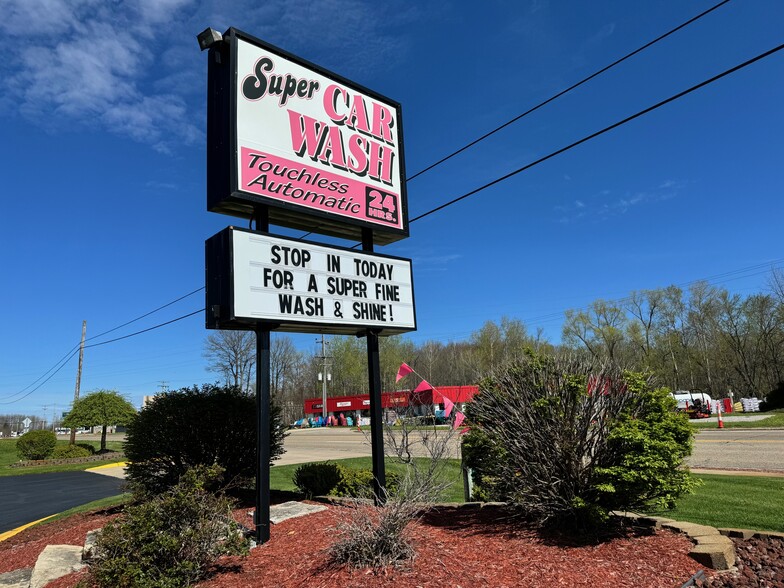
34,496
752,449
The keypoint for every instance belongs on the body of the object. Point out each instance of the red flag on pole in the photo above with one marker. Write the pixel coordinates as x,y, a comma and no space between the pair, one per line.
424,386
403,371
448,406
464,431
459,418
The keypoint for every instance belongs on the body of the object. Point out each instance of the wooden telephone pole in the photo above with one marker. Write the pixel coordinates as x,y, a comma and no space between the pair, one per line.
79,376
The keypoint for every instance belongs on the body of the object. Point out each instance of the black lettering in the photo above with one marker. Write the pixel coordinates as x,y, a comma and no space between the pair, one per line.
254,87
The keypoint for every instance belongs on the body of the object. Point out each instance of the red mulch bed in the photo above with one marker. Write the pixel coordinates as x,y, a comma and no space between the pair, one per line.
456,548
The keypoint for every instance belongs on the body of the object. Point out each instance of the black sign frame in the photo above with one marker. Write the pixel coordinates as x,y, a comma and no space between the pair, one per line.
224,193
219,293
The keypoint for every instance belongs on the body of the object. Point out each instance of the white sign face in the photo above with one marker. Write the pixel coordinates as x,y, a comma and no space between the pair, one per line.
308,141
294,282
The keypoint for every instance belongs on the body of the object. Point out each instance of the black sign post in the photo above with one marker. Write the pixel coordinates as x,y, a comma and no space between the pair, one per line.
262,515
374,386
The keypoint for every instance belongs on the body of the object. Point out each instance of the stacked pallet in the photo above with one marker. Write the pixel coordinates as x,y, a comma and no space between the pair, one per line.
750,404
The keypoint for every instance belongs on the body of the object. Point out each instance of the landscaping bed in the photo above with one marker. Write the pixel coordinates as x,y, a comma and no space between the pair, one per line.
108,456
455,547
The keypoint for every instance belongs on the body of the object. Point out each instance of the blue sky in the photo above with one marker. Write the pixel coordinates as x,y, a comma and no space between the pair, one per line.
102,164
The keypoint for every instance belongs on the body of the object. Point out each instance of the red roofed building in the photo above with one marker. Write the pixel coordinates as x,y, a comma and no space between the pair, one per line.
421,402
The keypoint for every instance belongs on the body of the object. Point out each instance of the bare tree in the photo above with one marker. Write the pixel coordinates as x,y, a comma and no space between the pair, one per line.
232,354
286,367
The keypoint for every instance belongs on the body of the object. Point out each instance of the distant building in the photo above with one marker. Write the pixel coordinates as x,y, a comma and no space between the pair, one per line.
421,402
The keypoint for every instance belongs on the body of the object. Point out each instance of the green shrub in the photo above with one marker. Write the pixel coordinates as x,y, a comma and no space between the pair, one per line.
69,451
355,483
171,540
197,426
567,441
331,479
36,445
88,447
645,448
317,479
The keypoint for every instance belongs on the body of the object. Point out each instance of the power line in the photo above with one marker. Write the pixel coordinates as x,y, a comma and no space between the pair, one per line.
65,357
555,97
103,343
569,89
138,318
601,132
70,353
179,318
64,363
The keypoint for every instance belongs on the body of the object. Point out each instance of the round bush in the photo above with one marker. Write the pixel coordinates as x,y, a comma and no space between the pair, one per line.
69,451
317,479
211,425
88,447
36,445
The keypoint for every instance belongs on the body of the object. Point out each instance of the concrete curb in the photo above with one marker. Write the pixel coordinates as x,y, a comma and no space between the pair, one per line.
712,548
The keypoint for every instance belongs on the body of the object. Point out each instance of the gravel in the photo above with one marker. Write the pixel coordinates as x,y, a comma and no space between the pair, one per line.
759,562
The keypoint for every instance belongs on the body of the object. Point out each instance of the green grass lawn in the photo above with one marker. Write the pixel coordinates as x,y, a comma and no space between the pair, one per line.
281,476
8,456
745,502
776,419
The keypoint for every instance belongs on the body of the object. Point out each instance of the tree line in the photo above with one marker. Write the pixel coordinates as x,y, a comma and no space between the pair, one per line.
703,338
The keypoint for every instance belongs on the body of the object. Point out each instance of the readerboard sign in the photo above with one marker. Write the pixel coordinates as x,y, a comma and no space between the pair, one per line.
323,153
295,285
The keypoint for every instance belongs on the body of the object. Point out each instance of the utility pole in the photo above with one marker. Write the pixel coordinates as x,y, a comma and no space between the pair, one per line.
79,377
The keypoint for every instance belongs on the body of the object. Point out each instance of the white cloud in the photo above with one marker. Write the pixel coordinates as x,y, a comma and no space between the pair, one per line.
129,66
605,204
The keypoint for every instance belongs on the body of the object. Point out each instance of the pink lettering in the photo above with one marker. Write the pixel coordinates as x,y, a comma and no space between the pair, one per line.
306,134
382,123
331,96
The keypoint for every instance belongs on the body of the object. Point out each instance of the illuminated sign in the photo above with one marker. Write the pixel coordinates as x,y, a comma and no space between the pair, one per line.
323,153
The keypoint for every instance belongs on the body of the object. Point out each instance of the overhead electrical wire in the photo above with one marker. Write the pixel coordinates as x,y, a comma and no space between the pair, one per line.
601,132
561,93
567,90
138,318
62,365
179,318
71,352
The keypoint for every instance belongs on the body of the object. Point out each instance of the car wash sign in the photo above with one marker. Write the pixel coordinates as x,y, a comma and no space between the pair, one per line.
304,141
296,285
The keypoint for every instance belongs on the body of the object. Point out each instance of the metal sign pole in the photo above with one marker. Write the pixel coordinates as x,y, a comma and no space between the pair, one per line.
374,386
262,515
262,518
